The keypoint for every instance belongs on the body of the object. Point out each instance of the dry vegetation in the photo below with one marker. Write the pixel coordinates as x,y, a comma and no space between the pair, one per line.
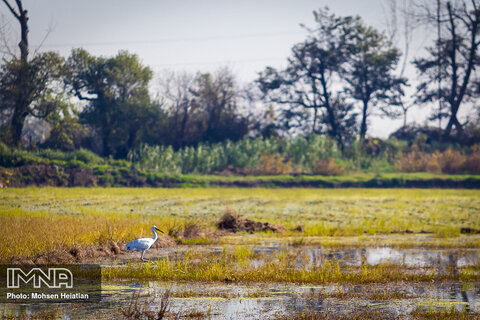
377,315
448,161
36,221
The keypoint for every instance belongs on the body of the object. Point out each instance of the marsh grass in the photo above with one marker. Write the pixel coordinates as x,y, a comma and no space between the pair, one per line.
264,293
148,309
38,220
393,241
239,265
51,314
27,235
443,314
222,294
418,314
374,295
310,315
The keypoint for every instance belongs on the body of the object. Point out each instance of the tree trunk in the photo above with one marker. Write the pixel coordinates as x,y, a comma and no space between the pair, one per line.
183,128
24,42
456,99
16,126
132,137
363,125
453,121
107,125
105,142
334,128
22,103
315,112
331,115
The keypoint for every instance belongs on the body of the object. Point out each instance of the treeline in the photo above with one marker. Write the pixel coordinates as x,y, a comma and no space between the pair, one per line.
310,117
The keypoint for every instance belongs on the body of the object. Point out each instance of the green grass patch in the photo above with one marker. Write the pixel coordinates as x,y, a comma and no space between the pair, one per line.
38,220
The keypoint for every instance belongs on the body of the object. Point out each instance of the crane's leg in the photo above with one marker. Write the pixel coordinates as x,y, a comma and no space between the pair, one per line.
141,258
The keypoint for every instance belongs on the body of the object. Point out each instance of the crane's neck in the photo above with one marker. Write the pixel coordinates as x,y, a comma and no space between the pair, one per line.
155,236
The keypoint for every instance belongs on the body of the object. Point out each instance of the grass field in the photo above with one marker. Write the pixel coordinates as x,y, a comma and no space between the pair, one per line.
320,253
38,220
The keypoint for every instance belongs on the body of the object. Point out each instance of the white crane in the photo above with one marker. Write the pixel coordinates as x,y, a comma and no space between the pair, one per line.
143,244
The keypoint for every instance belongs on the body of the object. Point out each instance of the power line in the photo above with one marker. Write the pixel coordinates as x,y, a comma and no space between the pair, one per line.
175,40
216,62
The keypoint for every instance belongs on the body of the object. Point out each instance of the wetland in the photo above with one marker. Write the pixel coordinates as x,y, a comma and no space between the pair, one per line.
349,253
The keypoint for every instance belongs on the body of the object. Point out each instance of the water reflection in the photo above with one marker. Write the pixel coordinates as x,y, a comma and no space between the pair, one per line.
423,258
278,298
226,301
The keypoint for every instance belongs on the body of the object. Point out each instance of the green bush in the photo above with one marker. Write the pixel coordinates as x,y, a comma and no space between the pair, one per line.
315,154
86,156
16,157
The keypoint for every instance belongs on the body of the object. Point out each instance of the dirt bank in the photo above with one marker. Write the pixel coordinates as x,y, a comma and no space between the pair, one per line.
233,222
54,175
93,253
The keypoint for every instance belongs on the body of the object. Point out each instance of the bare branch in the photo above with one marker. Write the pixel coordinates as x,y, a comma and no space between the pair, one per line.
6,48
80,96
20,6
15,14
49,30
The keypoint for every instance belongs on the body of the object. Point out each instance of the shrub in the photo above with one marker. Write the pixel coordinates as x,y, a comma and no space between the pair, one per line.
451,161
432,165
327,167
86,156
416,161
472,163
273,164
16,157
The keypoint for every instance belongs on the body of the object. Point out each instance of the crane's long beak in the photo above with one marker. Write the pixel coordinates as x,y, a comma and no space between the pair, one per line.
159,230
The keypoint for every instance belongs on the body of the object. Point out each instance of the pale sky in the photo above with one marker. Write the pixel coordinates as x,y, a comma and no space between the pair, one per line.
189,35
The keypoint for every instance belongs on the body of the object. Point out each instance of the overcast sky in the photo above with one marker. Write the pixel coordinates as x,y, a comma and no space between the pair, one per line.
190,35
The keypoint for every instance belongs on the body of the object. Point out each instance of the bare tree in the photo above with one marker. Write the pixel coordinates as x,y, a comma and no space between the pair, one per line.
216,95
22,16
177,98
202,107
400,27
450,72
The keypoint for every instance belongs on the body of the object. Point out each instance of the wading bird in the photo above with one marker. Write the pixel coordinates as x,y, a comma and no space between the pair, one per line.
143,244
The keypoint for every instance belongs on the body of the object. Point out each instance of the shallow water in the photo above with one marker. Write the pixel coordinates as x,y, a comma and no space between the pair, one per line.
232,301
265,300
316,256
408,257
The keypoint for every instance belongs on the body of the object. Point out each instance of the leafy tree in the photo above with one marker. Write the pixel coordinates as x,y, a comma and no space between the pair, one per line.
307,83
135,122
369,71
24,83
116,90
449,74
29,89
66,133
